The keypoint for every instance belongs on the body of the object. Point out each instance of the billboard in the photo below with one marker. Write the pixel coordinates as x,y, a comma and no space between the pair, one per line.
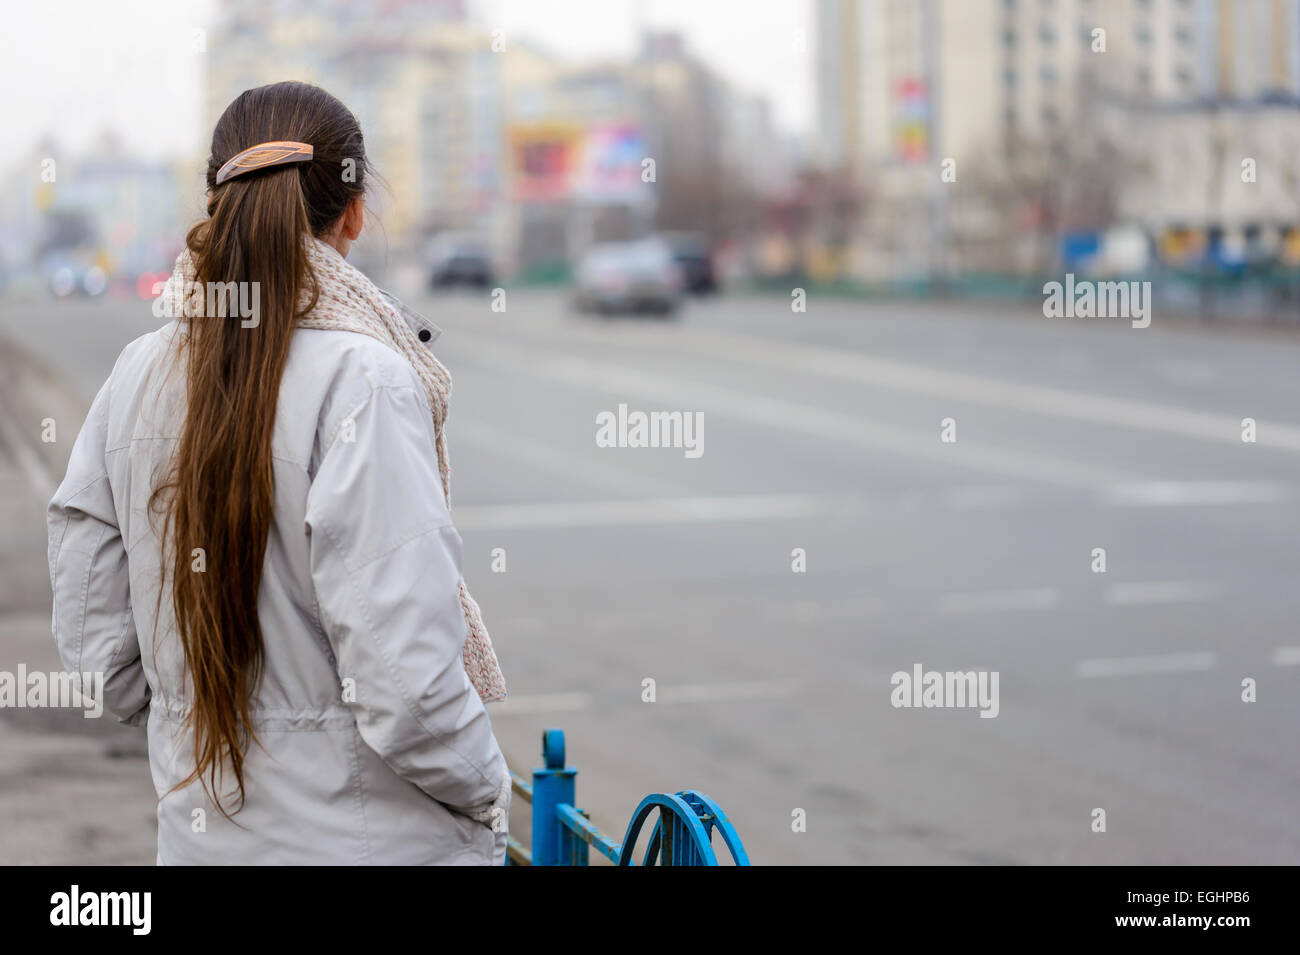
554,161
610,167
543,159
911,108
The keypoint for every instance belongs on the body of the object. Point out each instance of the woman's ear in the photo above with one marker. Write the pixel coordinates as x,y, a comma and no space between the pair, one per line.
354,217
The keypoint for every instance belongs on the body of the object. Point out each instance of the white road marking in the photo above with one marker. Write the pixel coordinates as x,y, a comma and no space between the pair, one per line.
810,611
725,692
667,510
538,703
735,508
1127,413
766,411
1286,656
816,360
1138,666
995,601
1183,493
1160,592
547,457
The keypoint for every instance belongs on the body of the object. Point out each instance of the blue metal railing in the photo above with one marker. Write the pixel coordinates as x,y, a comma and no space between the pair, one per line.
563,834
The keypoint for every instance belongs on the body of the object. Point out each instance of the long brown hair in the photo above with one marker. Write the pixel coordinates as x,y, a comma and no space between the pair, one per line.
219,494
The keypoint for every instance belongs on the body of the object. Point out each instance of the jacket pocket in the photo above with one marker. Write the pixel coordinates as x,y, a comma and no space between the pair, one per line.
478,841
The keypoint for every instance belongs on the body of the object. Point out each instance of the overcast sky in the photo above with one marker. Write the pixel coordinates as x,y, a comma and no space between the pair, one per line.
75,67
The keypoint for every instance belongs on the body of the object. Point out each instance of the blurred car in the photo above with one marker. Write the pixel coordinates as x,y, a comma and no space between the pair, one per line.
69,257
459,260
691,253
638,276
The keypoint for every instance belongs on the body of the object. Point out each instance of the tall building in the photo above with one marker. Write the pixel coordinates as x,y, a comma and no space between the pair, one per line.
839,64
1256,49
904,85
421,80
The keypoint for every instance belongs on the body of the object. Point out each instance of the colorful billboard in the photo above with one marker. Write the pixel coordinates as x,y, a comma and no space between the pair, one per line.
543,159
555,161
611,167
911,109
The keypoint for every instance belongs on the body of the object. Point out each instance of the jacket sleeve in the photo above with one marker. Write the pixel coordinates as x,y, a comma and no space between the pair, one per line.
386,566
93,623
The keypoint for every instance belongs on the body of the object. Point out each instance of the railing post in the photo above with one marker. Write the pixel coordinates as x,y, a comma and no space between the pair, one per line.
553,785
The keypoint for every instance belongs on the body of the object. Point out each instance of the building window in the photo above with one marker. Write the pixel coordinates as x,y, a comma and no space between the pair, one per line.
1047,75
1047,33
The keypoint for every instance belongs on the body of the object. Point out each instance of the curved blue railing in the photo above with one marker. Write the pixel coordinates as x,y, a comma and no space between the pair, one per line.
563,834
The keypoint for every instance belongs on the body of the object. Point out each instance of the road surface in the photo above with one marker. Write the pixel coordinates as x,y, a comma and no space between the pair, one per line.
823,436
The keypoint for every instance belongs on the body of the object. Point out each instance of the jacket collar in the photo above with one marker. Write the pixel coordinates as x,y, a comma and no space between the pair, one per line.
417,322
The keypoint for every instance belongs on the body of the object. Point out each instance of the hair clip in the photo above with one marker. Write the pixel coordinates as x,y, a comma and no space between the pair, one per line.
262,155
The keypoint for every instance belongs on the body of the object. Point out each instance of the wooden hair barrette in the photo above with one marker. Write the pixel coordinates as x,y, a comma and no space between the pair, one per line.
261,156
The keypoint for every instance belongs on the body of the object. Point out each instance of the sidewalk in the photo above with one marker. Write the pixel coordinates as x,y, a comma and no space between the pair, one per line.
72,790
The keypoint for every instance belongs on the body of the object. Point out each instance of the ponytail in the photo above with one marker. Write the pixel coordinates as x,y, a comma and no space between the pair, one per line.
220,493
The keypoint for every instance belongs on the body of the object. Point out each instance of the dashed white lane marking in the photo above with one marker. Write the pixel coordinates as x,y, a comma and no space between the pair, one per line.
994,601
1160,592
724,692
547,457
1286,656
1184,493
664,510
538,703
897,375
1128,413
1140,666
787,506
809,611
766,411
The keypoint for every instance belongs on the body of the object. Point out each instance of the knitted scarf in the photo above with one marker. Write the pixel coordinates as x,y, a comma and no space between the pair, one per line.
348,301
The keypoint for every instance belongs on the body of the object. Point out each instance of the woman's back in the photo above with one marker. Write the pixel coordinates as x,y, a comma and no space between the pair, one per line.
362,649
252,542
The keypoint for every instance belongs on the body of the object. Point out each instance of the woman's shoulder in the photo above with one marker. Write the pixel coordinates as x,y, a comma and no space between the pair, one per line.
348,361
331,375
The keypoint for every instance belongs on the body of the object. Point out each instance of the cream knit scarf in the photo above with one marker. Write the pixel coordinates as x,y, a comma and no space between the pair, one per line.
350,302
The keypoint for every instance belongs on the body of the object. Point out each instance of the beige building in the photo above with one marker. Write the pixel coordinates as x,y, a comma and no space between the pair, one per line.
905,85
421,80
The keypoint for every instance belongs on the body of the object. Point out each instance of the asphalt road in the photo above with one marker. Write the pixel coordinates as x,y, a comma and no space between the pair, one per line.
822,431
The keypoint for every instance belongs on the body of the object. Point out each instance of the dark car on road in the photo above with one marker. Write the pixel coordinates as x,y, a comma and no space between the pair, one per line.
459,260
691,253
